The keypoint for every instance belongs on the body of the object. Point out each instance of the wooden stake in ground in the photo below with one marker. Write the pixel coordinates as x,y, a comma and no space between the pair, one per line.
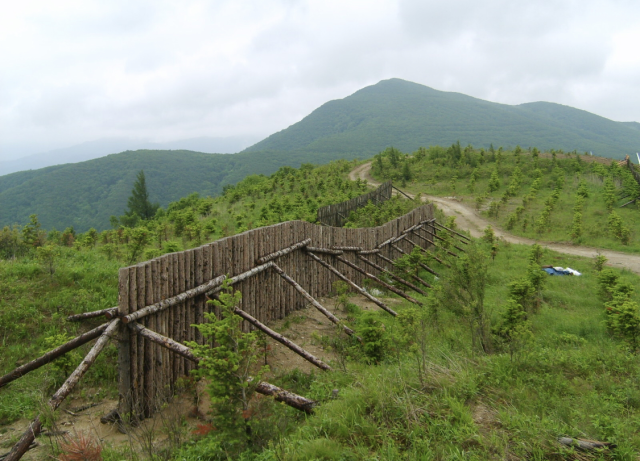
311,299
53,354
281,395
35,427
362,291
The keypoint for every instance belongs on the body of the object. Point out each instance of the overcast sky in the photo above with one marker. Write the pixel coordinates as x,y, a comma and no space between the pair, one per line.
76,71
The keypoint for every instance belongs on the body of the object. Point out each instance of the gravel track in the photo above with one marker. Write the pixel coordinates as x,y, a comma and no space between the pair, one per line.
468,219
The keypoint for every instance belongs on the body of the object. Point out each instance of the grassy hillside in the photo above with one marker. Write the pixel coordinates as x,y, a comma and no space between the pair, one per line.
527,360
408,115
582,193
86,194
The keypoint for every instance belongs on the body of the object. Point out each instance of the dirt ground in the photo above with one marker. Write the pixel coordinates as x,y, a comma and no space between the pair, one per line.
188,410
467,218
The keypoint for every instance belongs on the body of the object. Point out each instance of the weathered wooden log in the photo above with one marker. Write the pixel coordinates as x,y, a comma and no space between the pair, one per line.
392,275
244,276
423,265
369,252
284,251
440,238
281,395
293,400
343,248
585,445
282,340
414,277
182,297
451,230
35,427
362,291
428,252
386,242
398,190
90,315
398,238
381,282
163,341
327,251
435,245
53,354
311,299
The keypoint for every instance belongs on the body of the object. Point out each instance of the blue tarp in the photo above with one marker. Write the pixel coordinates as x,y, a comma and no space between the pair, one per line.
552,271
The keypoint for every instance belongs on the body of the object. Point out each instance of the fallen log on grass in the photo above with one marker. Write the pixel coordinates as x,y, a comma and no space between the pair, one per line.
585,445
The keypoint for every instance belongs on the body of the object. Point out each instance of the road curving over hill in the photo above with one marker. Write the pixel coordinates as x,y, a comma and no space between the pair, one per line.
468,219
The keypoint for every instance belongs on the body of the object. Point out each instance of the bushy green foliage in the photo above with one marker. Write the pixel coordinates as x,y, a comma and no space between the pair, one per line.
227,368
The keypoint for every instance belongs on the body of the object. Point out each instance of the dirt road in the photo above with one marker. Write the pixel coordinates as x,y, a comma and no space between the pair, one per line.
468,219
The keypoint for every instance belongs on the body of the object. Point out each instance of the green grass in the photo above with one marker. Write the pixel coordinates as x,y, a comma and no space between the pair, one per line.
573,379
443,172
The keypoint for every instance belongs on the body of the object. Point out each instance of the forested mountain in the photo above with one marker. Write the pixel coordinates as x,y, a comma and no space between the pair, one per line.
391,113
407,116
86,194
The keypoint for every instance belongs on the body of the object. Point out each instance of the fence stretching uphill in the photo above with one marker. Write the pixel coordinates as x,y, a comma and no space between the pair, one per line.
278,269
336,215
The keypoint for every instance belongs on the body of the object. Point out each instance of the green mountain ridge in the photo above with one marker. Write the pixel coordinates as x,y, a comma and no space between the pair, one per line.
86,194
408,115
393,112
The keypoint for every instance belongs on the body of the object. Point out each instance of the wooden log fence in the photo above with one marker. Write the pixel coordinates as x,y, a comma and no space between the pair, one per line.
337,215
165,297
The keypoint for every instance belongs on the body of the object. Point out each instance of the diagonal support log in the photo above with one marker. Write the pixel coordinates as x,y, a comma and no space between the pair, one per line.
244,276
109,313
53,354
281,395
435,245
35,427
362,291
312,300
284,251
392,275
282,340
377,280
451,230
414,277
166,303
440,238
424,266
